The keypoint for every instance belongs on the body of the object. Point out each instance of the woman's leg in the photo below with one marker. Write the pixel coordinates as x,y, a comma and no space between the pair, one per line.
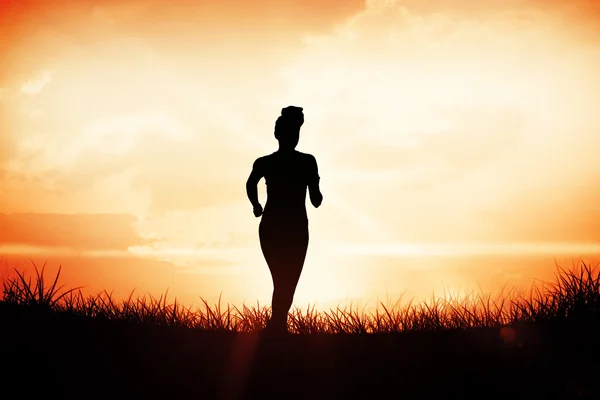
284,249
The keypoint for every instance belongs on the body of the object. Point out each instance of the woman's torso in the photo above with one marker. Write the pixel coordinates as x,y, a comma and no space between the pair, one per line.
287,175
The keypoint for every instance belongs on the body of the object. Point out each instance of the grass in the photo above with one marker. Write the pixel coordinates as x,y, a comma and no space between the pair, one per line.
543,342
573,296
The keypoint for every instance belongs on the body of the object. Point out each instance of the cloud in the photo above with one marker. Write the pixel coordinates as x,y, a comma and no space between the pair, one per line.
35,86
422,104
121,275
215,227
428,116
436,156
184,153
376,83
74,231
486,8
167,110
568,212
8,140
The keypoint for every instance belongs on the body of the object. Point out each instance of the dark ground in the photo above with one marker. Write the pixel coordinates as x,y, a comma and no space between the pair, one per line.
43,355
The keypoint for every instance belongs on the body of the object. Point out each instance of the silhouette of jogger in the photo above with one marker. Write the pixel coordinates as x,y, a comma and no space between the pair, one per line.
283,229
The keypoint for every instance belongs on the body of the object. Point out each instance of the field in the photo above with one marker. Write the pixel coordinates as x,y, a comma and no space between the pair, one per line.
58,343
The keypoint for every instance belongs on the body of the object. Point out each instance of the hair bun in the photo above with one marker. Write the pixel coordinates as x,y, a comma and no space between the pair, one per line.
291,118
291,111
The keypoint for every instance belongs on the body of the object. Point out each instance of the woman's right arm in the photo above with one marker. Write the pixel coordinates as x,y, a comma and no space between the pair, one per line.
252,190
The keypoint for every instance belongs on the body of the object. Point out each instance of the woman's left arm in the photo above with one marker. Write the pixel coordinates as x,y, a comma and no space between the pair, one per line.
314,191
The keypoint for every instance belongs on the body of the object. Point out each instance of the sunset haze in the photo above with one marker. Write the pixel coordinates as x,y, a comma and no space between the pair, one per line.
457,142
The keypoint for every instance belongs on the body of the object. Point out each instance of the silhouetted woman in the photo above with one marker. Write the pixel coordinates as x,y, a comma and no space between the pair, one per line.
283,229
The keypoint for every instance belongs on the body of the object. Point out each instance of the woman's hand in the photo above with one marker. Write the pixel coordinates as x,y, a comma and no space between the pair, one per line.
258,210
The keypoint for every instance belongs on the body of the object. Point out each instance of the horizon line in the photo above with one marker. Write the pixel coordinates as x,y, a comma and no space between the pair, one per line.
386,249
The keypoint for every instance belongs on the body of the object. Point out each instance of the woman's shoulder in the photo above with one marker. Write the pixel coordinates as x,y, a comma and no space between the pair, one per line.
265,162
263,159
306,156
307,159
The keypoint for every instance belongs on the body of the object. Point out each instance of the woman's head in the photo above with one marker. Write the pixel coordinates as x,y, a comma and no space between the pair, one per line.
287,127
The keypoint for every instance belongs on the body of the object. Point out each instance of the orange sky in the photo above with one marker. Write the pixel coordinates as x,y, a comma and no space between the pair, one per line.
452,136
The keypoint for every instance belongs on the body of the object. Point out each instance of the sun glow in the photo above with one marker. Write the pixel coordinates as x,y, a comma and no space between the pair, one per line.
441,134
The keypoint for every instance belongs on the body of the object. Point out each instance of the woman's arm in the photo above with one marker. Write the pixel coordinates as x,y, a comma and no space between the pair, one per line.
251,188
316,197
314,191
